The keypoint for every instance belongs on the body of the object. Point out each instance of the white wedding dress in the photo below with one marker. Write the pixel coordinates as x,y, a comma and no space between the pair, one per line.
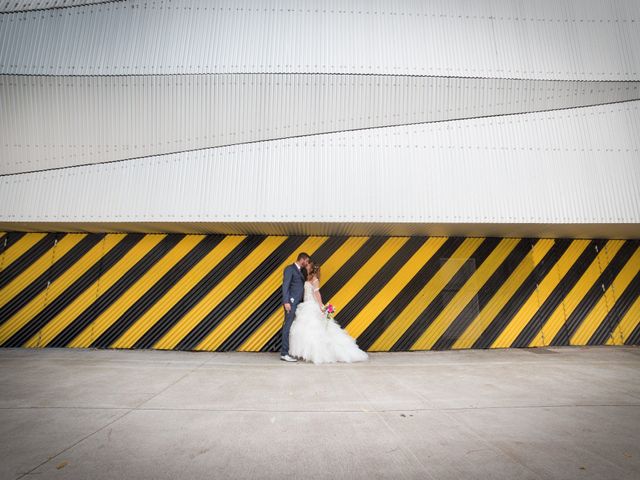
317,339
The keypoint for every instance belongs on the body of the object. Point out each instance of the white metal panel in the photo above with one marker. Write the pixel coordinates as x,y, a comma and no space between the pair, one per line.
52,122
546,39
577,166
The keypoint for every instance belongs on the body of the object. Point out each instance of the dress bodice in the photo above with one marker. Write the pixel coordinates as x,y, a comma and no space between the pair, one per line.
308,292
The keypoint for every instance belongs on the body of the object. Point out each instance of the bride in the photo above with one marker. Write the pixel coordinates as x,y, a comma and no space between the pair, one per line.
313,336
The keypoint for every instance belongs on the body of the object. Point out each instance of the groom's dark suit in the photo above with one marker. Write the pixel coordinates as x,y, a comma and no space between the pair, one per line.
292,293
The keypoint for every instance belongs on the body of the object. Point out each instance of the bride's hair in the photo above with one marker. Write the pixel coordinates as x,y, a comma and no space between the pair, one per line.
315,270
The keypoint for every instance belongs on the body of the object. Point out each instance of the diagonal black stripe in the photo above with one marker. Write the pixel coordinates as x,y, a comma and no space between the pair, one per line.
486,293
407,294
83,282
327,249
274,303
563,337
226,306
377,282
528,287
613,317
119,288
9,240
430,313
559,293
351,266
28,258
159,288
49,276
198,291
634,338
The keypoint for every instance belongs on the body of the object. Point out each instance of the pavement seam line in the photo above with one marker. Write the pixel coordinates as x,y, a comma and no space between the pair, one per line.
496,448
24,474
434,409
395,435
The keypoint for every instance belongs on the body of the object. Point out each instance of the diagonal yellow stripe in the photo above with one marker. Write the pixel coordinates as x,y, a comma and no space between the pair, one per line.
179,290
101,286
120,269
429,292
540,295
627,324
468,291
227,326
191,319
386,295
267,330
593,319
351,288
109,316
503,295
48,295
561,314
38,267
16,250
146,281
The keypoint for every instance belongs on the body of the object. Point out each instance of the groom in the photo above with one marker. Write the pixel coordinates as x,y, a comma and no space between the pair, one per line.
292,293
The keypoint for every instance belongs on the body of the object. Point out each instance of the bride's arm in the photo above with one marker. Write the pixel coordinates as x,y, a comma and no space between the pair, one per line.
316,293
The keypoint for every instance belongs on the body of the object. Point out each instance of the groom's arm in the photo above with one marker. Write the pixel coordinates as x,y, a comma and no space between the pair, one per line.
286,282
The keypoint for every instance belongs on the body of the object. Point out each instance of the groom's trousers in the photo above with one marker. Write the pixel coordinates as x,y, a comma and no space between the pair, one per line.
288,320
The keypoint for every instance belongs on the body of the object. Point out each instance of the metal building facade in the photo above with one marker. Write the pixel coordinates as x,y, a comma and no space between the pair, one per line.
444,157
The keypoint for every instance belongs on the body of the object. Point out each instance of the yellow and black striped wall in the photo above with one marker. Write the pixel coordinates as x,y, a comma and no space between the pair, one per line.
222,292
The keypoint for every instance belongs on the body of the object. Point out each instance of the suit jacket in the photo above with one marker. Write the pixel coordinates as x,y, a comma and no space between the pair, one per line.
293,285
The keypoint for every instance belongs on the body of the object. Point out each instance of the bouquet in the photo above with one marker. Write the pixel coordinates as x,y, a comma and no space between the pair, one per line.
329,312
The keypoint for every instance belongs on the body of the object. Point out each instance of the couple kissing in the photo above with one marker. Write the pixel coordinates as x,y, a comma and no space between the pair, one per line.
309,331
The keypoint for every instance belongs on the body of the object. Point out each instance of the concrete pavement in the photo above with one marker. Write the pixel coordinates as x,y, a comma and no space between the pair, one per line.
557,413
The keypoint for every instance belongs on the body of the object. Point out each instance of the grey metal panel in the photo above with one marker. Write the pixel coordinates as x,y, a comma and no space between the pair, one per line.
550,39
50,122
8,6
571,166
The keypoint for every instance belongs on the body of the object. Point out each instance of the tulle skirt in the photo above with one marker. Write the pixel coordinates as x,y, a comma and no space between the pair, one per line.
318,340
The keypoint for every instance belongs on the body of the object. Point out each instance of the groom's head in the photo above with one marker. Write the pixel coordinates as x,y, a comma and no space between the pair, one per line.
303,259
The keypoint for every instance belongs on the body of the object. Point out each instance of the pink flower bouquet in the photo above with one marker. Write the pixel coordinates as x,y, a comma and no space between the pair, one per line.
329,310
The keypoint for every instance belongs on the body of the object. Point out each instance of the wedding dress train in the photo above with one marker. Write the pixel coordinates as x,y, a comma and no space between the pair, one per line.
315,338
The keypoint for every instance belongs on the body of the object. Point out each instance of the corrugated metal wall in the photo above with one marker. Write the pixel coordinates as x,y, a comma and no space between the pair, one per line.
334,116
550,39
571,166
51,121
185,99
214,292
